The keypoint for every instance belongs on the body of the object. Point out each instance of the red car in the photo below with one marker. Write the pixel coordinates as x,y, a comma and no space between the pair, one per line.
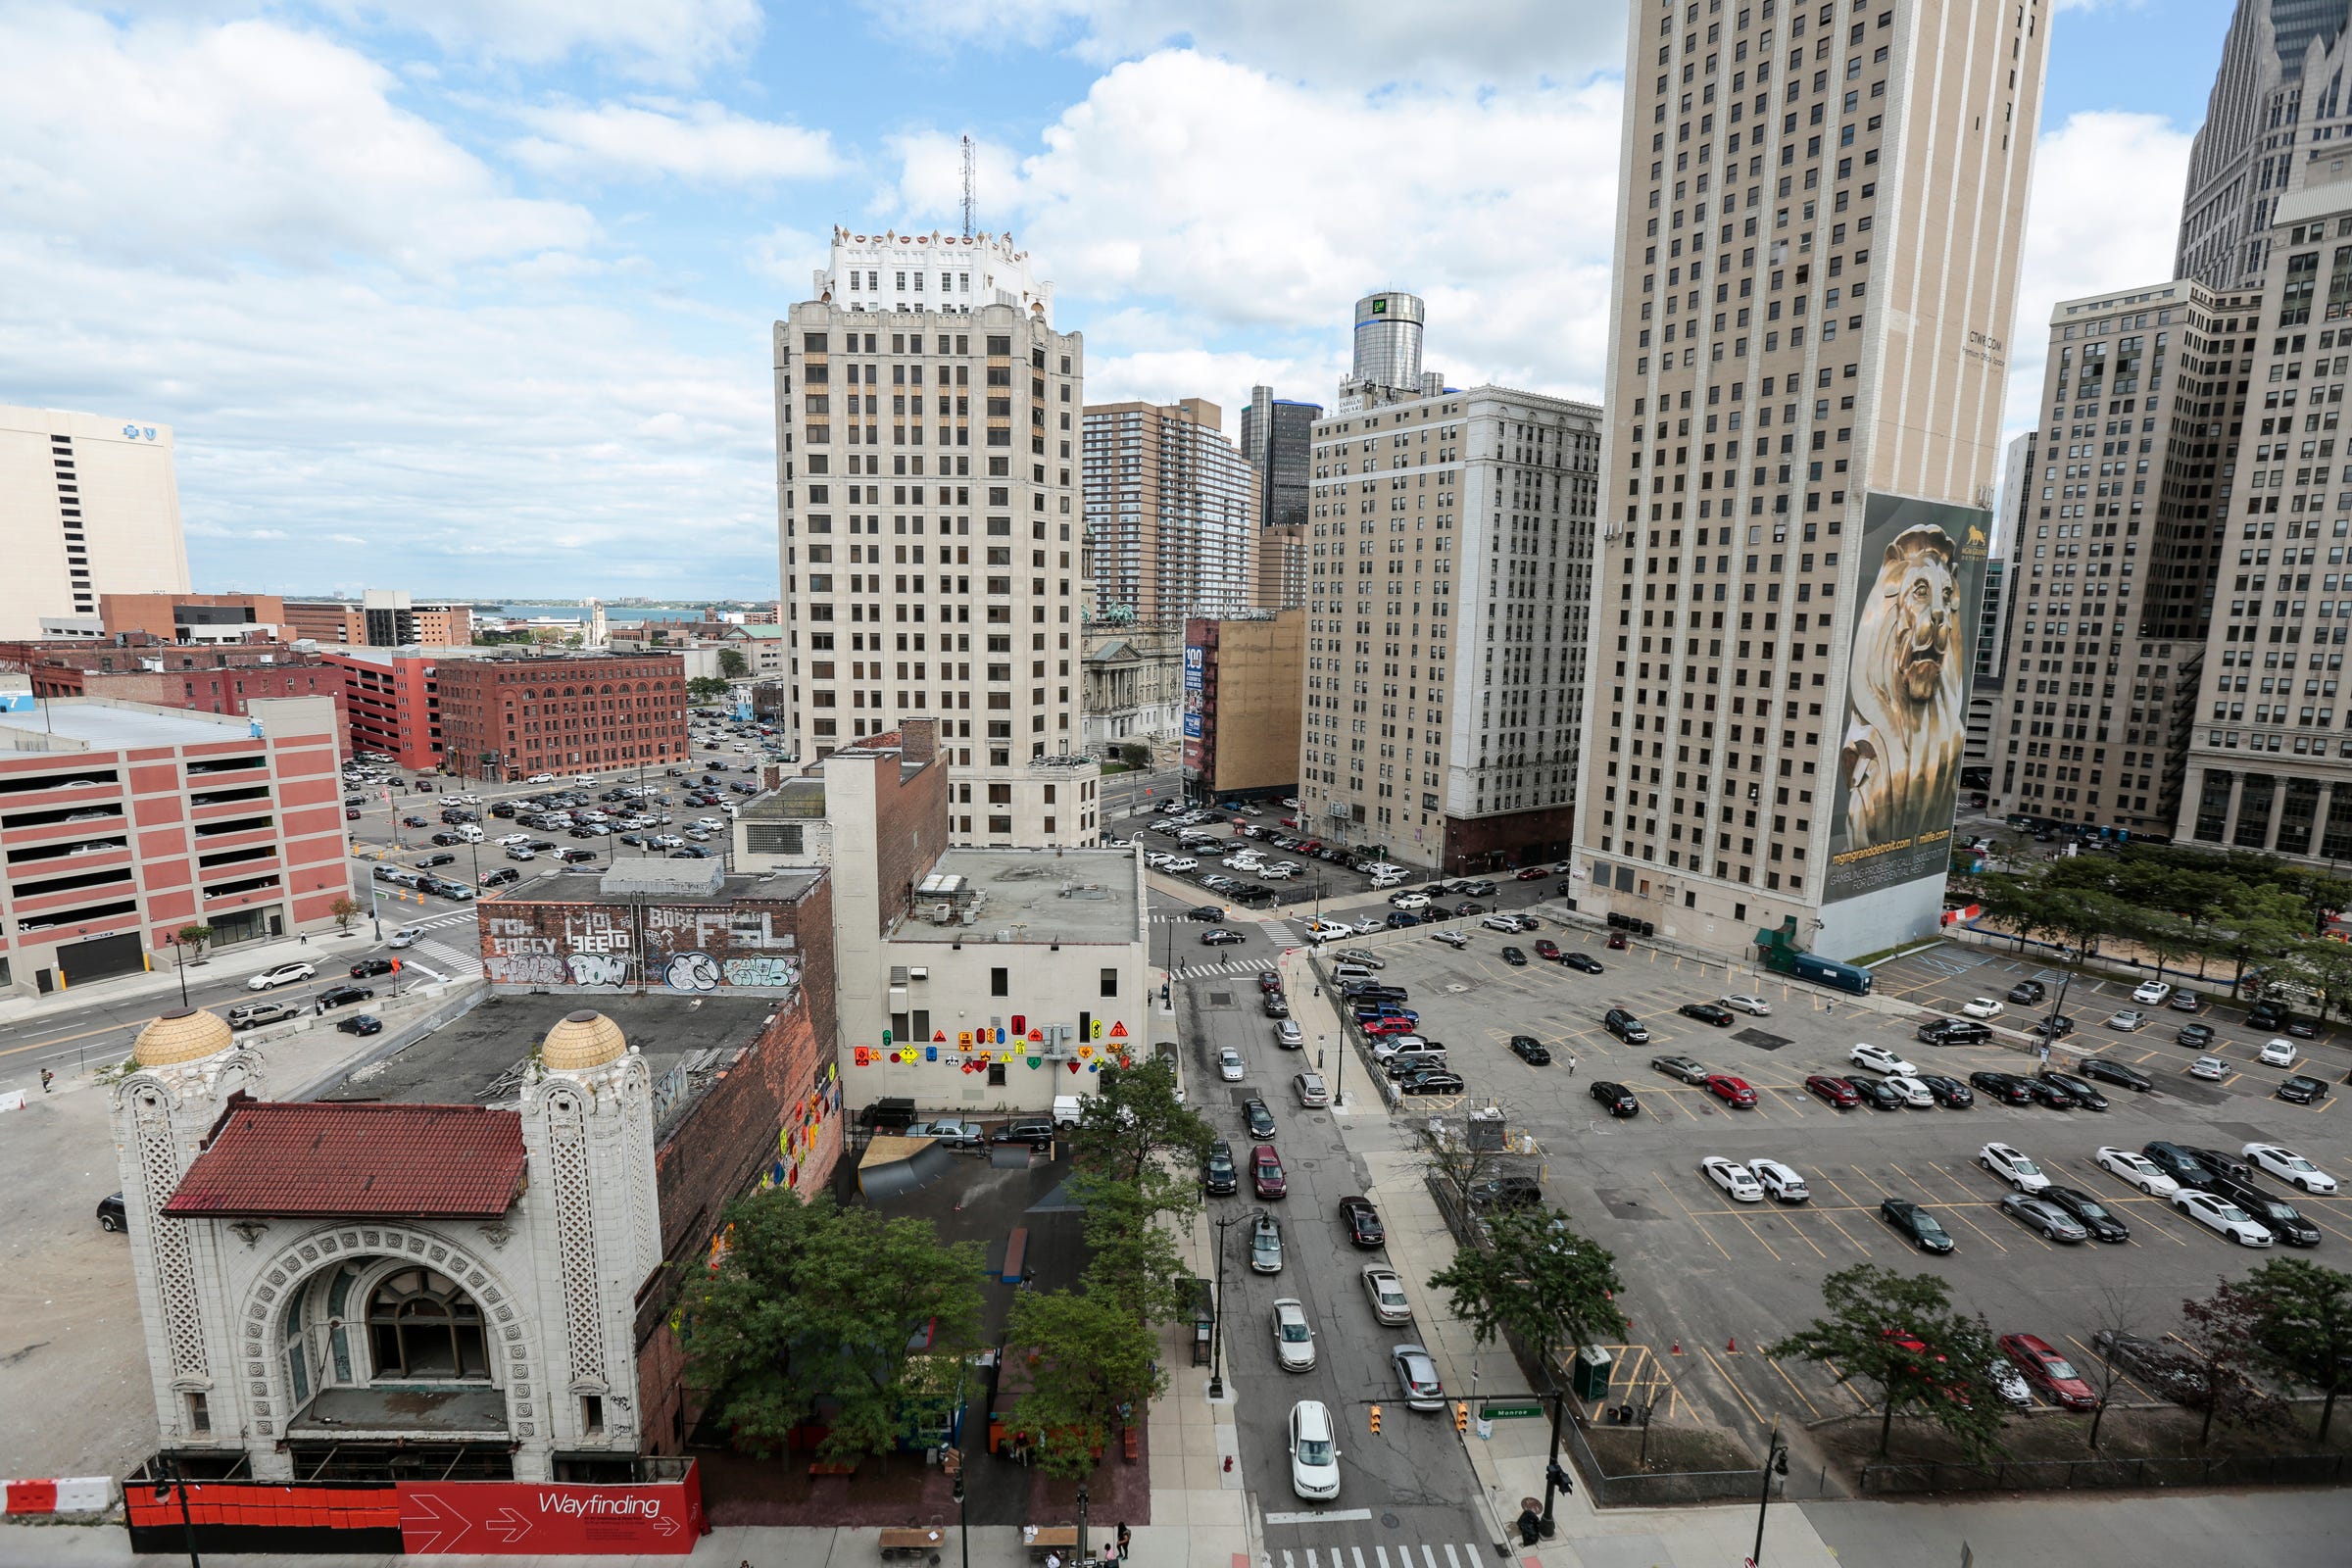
1531,873
1832,1091
1266,1172
2053,1374
1731,1090
1388,1026
1310,846
1546,948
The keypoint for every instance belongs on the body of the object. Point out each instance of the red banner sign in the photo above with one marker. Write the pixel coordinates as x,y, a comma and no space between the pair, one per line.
522,1518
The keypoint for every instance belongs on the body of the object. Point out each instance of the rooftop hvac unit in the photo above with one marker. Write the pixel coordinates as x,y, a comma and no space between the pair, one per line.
940,913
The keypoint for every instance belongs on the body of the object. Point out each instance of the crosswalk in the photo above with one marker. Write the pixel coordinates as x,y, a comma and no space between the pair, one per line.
1424,1554
452,964
1199,971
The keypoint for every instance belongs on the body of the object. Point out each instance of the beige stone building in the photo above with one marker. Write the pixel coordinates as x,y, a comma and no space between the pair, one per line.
88,506
1278,571
1134,687
1171,510
1817,255
1244,681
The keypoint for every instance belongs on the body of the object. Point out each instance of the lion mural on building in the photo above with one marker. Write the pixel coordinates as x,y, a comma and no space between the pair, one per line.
1906,723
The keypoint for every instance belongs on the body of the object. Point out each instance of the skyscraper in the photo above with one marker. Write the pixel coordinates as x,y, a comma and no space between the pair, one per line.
1816,262
1276,441
2278,100
1171,510
1387,364
88,506
930,536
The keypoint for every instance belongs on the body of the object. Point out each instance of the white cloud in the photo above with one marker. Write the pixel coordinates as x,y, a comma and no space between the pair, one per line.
669,40
2088,232
1363,44
702,143
189,147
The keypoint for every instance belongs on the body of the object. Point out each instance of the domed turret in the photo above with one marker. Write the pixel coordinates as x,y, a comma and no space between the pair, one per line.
583,1039
184,1033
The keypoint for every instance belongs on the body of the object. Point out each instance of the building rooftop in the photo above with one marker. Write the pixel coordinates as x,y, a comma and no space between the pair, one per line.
633,879
415,1161
1079,896
70,724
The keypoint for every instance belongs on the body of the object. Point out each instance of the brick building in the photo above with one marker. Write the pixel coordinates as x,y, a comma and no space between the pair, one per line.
1244,687
193,617
380,618
393,698
509,718
206,680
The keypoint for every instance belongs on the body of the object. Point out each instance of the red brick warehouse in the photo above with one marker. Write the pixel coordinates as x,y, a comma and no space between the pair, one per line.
508,719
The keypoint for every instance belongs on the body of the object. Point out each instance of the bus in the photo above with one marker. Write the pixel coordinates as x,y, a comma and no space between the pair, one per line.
1827,972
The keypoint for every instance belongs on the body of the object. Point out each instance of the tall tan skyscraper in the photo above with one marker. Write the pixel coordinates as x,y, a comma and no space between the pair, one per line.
1816,268
1171,510
88,506
927,430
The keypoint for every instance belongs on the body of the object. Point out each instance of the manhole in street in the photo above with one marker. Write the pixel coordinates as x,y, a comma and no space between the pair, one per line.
1455,988
1390,1521
1220,998
1760,1040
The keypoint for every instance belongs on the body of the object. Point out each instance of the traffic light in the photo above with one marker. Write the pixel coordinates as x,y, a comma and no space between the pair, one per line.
1376,1420
1462,1416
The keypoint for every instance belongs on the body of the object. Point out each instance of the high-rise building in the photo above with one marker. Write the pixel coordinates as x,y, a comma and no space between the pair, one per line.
963,480
88,506
1816,260
566,715
1449,584
1278,437
2269,756
1387,364
2113,553
2262,128
1171,510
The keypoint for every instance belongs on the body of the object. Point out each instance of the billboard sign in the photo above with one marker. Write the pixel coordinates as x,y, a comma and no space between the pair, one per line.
1195,661
1905,721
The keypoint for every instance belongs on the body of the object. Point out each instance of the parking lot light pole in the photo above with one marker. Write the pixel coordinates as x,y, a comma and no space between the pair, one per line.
1216,1371
1776,1460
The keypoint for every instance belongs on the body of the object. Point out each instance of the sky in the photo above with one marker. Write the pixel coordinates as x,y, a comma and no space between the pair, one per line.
473,297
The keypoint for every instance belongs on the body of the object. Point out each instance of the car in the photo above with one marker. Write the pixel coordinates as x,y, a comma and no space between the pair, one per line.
1878,1058
254,1015
2009,1384
428,861
1257,1119
1530,1049
1401,920
1741,1001
1314,1453
1311,1091
1625,1026
2108,1071
1431,1081
519,852
1506,1192
2185,1002
1921,1228
1217,1175
541,778
361,1023
1876,1093
1506,922
1981,1007
2195,1036
1363,1222
1514,957
2303,1028
1370,924
1618,1099
1580,961
2138,1170
2006,1088
2177,1163
1288,1036
1364,956
1681,1068
2267,1016
1914,1091
1417,1376
1547,950
1265,1246
1949,1093
2273,1214
284,974
2057,1026
2026,992
1734,1178
2036,1213
1181,864
1409,901
2214,1069
1037,1134
2076,1090
2125,1021
1456,939
1377,1024
340,997
1951,1032
1386,1291
2151,992
2276,1054
1781,1181
2217,1162
1266,1172
2284,1164
2221,1217
2089,1212
1732,1092
1229,1065
1270,980
1293,1337
1708,1012
1831,1090
2012,1166
1274,1005
2048,1371
408,936
502,876
950,1131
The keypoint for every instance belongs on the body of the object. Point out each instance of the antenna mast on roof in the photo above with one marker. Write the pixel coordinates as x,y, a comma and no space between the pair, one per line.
967,188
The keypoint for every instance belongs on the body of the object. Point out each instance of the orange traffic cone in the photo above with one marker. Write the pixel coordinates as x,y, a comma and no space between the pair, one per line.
1677,1347
1732,1345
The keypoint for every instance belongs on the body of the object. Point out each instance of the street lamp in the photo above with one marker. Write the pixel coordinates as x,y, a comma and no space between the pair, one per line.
180,964
1776,1462
1082,1521
175,1481
1216,1371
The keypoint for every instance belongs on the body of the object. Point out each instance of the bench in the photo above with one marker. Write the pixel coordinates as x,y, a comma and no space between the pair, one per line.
1132,1440
833,1467
1061,1538
909,1545
1017,1254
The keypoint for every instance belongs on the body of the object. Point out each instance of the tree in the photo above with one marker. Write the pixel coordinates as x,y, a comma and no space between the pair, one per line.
2214,1335
2301,1327
1136,1261
1090,1356
732,663
195,936
344,911
1460,1160
1133,1122
704,690
1539,1282
1136,755
813,1300
1899,1333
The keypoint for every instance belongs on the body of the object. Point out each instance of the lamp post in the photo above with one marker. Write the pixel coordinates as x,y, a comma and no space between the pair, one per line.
1776,1462
2049,1025
1216,1371
964,1526
1555,1478
179,966
176,1480
1081,1521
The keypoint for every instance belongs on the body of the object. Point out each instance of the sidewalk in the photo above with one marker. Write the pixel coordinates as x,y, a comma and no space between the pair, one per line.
164,980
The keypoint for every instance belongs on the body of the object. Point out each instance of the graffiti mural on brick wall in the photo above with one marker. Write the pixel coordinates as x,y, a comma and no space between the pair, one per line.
682,947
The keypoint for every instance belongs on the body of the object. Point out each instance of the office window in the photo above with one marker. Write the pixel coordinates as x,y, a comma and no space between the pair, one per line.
1000,982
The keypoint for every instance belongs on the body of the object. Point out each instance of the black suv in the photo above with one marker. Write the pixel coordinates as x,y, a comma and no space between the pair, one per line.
2178,1163
1626,1027
2025,993
1219,1177
2271,1213
1036,1134
1619,1098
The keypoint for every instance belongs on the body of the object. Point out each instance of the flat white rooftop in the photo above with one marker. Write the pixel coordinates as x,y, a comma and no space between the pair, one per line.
100,727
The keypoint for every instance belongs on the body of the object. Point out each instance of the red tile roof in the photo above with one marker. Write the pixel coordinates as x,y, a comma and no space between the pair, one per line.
355,1161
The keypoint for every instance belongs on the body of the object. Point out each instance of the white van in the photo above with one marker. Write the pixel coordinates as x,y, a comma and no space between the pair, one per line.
468,832
1344,972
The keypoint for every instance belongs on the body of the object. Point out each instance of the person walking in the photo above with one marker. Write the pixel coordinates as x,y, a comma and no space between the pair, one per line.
1124,1538
47,1077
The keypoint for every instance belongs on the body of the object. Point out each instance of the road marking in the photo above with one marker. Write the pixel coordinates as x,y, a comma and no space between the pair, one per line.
1336,1516
1733,1383
1694,1218
2119,1373
1792,1387
1848,1235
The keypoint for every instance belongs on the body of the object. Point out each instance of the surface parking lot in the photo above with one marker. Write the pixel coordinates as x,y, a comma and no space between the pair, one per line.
1711,1281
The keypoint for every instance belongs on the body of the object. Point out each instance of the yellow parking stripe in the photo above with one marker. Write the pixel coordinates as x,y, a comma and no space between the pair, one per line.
1694,1218
1733,1383
1792,1387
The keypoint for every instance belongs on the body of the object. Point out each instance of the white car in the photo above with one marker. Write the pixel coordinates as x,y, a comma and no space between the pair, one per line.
711,824
1291,800
2013,1167
1734,1178
2151,992
504,839
1503,922
1158,859
2222,1217
1369,924
1229,1065
2138,1170
2289,1167
2213,1068
2009,1383
1744,1002
1781,1181
285,974
1314,1453
1278,873
2278,1053
541,778
1410,900
1456,939
1878,1058
1180,864
1293,1338
1387,1294
1915,1095
1981,1007
1238,863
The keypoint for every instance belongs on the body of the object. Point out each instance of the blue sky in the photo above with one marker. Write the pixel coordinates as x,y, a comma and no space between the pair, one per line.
473,296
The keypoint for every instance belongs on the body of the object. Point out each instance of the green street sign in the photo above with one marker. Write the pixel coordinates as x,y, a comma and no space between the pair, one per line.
1508,1412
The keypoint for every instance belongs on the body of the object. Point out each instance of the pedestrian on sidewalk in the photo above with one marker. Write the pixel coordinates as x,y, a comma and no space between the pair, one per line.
46,1078
1124,1538
1110,1553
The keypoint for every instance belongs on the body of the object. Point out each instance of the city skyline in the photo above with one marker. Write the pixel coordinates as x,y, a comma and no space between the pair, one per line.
570,242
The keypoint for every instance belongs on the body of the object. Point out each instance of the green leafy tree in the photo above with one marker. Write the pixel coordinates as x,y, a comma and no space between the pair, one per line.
704,690
732,663
1898,1333
2210,1359
1539,1282
2301,1320
196,938
1132,1125
1136,1261
1090,1356
815,1300
1136,755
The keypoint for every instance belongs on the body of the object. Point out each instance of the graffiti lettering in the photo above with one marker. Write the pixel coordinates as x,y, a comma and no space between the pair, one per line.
762,971
692,971
527,970
599,969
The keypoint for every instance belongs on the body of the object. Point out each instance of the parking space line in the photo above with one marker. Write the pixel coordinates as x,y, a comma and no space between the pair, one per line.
1967,1197
1845,1386
1733,1383
2122,1376
1848,1235
1807,1240
1792,1387
1759,1235
1694,1218
1842,1191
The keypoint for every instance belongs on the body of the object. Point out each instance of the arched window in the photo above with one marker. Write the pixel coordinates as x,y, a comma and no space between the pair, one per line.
421,1325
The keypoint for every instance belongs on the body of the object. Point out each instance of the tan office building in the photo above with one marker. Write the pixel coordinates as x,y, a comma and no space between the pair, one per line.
1243,683
1171,510
1816,266
88,506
